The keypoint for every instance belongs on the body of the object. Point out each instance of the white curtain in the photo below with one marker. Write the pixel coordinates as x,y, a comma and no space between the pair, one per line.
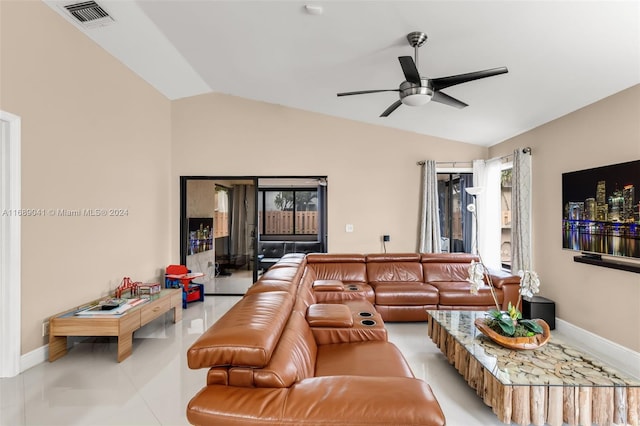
521,211
429,218
486,175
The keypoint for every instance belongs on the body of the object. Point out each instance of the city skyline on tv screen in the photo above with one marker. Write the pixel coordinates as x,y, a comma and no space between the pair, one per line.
601,210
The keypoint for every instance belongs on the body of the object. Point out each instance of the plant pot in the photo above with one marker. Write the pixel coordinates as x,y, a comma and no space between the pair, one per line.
532,342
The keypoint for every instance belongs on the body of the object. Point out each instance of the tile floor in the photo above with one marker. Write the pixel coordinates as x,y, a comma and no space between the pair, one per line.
154,385
238,282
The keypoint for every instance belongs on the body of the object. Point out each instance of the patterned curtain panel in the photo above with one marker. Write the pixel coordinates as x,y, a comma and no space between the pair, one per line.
429,219
521,211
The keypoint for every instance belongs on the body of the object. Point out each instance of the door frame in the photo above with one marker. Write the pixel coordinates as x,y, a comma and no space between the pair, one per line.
184,223
10,256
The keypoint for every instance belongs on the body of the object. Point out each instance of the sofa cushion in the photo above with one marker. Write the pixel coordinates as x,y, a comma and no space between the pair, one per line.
376,358
394,271
350,292
345,272
335,400
264,285
293,360
393,257
405,293
458,293
336,258
246,335
329,315
289,273
447,272
448,258
328,285
404,313
348,268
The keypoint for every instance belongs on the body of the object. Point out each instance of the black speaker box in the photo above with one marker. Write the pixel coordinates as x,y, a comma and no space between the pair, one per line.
539,307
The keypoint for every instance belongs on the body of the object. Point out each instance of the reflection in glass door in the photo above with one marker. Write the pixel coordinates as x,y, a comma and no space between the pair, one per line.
218,232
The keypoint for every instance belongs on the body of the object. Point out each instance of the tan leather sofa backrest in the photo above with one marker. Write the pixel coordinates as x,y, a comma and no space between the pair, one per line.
348,268
394,268
446,267
294,358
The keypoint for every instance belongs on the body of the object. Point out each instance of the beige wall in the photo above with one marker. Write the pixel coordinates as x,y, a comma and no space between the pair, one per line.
603,301
374,182
94,135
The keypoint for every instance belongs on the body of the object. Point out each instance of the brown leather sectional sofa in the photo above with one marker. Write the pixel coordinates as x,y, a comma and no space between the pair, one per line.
307,345
403,286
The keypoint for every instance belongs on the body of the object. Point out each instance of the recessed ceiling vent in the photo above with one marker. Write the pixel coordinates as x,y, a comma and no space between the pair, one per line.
89,14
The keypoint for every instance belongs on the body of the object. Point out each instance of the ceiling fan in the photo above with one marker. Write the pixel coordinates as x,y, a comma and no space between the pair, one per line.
417,90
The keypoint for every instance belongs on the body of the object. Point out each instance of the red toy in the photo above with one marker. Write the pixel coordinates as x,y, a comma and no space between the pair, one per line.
179,276
127,285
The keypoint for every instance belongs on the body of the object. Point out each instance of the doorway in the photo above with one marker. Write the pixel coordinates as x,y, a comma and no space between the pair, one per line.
231,228
10,252
218,231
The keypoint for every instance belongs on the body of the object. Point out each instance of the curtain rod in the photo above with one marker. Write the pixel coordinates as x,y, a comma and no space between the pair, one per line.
423,162
526,150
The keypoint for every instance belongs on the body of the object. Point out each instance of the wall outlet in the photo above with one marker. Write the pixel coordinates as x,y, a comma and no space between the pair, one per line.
348,227
45,328
386,238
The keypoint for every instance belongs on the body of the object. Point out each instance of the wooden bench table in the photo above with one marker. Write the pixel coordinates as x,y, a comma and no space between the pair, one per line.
122,326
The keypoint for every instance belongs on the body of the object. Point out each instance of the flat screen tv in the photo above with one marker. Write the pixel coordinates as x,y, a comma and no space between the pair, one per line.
600,210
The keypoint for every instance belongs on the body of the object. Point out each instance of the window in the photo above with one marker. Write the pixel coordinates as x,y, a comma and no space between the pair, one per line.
221,213
288,212
456,222
505,220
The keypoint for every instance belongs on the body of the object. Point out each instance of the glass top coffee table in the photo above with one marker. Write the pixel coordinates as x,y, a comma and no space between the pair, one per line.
554,384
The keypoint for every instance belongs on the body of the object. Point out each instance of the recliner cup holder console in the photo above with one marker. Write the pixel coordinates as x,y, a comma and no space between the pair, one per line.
365,314
368,322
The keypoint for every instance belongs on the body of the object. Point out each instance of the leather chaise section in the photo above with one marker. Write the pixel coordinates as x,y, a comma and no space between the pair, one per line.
243,336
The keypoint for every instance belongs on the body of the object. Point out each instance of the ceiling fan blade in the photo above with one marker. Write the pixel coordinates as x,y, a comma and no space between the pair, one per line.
362,92
444,82
409,69
392,108
443,98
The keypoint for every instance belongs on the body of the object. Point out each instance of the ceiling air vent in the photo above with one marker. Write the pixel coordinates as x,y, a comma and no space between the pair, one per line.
89,14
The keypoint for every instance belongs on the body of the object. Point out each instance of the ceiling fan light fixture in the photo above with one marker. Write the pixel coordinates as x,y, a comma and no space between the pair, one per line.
416,100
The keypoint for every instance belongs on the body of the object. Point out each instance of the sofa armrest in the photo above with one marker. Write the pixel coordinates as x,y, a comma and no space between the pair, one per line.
328,285
329,315
344,400
501,278
510,285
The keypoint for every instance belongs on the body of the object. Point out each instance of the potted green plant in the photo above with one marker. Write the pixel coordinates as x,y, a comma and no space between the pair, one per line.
508,328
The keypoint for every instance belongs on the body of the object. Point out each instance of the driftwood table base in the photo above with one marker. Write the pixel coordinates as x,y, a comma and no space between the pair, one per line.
552,385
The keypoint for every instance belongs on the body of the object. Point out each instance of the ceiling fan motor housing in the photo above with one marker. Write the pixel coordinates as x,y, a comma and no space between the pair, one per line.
414,95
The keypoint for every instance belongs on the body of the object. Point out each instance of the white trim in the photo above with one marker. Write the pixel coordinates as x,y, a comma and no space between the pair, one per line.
620,357
33,358
10,278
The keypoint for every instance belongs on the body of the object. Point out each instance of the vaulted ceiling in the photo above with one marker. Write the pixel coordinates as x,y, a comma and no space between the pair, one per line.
561,56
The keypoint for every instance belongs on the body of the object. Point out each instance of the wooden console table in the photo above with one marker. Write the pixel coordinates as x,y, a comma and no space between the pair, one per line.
554,384
122,326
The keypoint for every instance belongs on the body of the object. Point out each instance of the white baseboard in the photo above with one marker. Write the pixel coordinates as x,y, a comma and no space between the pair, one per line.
33,358
620,357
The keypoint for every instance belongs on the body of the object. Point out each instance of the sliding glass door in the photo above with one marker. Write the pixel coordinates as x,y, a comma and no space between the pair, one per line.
218,230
